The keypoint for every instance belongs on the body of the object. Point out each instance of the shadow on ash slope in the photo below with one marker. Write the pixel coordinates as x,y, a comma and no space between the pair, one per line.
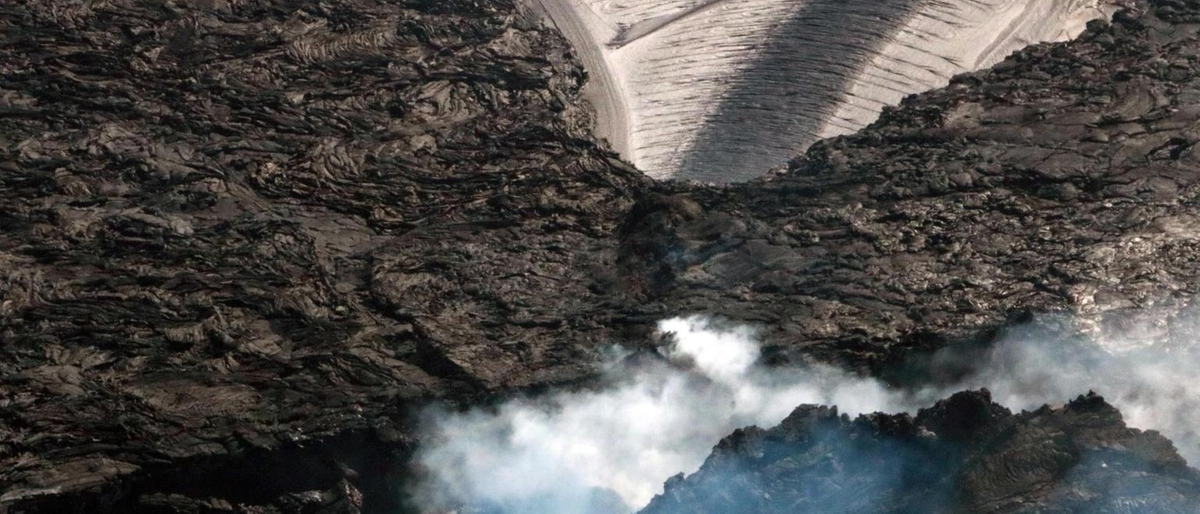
723,90
609,450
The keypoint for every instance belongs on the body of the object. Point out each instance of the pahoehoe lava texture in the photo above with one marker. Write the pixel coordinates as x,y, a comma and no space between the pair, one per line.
964,455
239,241
235,234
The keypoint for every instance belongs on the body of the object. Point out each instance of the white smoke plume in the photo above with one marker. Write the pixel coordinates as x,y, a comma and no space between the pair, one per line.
561,453
1147,369
609,450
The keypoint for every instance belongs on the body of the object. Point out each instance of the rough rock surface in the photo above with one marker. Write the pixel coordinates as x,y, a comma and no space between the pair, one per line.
239,241
236,227
964,455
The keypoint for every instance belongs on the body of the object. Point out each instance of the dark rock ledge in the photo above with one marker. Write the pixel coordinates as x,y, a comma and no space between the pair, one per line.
963,455
241,240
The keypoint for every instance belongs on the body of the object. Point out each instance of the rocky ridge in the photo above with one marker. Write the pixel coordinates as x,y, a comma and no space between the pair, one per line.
963,455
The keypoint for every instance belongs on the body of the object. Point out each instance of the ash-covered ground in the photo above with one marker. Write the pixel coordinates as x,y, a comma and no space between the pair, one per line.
724,90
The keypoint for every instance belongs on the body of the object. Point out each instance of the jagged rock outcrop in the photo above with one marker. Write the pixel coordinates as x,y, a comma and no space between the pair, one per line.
963,455
239,241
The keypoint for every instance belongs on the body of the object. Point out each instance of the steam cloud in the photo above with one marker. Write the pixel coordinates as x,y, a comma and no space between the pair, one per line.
609,450
1147,369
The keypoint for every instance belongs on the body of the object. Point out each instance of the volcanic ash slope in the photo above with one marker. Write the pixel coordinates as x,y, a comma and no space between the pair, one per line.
723,90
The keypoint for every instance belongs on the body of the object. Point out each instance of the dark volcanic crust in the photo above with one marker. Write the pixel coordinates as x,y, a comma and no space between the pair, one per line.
231,227
965,455
250,235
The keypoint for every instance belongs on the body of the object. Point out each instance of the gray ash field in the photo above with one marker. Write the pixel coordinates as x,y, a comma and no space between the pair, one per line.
724,90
